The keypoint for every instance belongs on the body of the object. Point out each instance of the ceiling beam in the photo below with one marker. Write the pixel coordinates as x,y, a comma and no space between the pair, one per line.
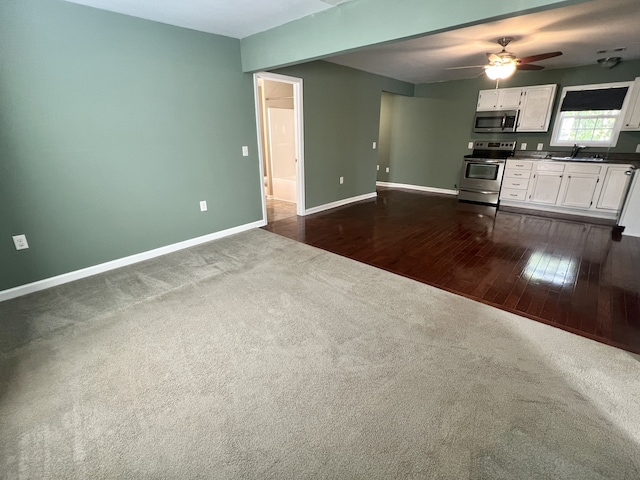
362,23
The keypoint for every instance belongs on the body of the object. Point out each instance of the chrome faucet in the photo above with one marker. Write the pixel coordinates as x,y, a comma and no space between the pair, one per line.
576,150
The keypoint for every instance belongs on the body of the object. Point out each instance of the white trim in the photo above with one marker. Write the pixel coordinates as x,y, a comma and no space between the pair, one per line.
256,97
340,203
299,129
619,120
445,191
122,262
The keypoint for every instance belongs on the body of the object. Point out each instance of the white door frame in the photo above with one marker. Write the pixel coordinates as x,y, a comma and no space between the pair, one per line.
299,135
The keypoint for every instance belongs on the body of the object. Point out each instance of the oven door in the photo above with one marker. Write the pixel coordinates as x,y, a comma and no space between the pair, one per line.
480,180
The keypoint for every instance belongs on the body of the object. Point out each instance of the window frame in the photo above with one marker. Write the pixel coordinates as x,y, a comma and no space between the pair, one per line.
616,128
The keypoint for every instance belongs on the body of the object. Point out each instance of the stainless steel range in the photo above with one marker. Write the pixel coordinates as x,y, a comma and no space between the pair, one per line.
482,171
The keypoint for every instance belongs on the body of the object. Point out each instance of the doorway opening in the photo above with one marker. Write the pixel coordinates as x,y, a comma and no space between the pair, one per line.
280,141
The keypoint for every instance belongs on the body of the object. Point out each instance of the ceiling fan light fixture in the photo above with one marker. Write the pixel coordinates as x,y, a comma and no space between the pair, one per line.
500,71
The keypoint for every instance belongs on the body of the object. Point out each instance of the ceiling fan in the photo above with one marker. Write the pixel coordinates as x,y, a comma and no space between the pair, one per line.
503,64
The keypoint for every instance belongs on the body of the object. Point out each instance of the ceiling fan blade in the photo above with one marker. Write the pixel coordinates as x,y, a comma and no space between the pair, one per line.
537,58
466,66
529,67
493,57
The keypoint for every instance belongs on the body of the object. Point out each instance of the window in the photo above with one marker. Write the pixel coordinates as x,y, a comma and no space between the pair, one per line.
590,115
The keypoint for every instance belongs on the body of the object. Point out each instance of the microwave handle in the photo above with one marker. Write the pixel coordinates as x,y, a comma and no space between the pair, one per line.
504,120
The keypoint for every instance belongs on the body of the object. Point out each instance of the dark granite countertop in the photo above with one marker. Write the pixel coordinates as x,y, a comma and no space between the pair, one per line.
607,158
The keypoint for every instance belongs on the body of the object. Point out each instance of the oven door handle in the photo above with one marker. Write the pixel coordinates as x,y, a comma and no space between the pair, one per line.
483,192
485,161
504,121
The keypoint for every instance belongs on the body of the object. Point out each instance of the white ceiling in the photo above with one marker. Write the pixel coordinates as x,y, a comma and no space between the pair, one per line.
579,31
231,18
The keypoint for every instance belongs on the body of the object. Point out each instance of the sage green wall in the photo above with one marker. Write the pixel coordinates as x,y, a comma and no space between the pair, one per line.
424,146
341,121
361,23
430,132
112,129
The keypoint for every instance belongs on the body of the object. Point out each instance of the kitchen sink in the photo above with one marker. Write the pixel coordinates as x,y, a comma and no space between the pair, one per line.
578,159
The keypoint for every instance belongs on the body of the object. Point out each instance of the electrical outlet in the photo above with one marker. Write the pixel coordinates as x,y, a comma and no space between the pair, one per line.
245,151
20,241
470,145
386,169
341,180
374,145
638,148
203,206
540,146
523,146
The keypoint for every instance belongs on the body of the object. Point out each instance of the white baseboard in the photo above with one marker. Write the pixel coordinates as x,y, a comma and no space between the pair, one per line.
418,187
339,203
121,262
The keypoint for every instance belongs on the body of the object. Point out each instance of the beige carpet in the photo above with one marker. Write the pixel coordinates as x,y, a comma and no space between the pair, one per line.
256,357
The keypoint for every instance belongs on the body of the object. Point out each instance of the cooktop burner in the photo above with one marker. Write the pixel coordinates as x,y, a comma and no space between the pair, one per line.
492,149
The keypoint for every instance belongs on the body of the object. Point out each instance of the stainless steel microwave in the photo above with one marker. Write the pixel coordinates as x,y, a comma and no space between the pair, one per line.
496,121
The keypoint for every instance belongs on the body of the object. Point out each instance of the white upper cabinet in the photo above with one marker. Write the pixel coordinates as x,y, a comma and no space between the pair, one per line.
536,107
509,98
487,100
499,99
535,104
632,115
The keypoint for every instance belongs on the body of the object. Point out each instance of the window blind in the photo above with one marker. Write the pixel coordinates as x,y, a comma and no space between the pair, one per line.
600,99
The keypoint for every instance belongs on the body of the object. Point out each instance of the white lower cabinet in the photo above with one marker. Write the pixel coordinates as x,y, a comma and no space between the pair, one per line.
615,182
565,187
515,182
546,187
579,190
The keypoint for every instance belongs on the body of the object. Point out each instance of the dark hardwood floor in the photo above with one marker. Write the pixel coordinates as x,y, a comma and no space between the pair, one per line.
568,274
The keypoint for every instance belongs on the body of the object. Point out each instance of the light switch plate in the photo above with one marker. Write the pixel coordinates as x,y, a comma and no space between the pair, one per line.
245,151
387,169
470,145
523,146
374,145
540,146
